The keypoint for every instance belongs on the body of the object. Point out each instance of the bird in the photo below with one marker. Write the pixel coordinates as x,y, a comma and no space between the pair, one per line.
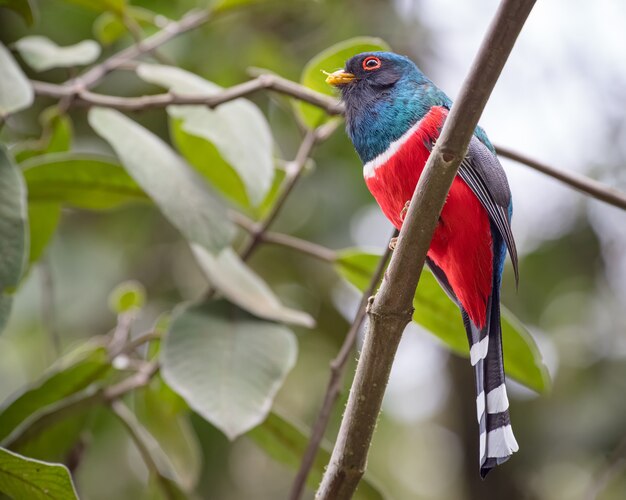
394,115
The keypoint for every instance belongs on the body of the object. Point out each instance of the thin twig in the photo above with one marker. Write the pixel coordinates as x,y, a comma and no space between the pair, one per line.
94,75
392,308
140,340
314,250
291,178
333,388
136,33
579,182
73,404
615,463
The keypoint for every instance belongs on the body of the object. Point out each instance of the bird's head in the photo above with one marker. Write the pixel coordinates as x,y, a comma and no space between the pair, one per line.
384,94
372,71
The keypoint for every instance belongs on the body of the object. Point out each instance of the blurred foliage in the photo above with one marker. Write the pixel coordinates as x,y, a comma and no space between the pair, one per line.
133,210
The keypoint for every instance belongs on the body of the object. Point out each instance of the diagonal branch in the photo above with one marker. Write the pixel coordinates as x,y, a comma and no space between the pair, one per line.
391,309
294,172
93,76
579,182
333,388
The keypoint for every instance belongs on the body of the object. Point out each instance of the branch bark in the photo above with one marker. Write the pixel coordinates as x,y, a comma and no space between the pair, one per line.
391,309
333,388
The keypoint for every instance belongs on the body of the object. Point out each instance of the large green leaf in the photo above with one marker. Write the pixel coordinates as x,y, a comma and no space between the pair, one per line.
41,53
182,196
13,231
26,478
286,443
23,7
72,375
329,60
226,364
237,129
79,180
242,286
16,92
438,314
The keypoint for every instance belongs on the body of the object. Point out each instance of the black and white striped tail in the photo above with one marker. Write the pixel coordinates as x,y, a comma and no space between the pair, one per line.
497,442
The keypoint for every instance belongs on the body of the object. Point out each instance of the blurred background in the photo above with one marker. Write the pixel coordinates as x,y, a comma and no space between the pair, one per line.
561,99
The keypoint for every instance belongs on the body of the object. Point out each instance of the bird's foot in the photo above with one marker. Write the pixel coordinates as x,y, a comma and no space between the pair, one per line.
404,210
392,243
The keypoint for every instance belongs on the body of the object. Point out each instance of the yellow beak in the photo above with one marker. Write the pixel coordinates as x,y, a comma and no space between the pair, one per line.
339,77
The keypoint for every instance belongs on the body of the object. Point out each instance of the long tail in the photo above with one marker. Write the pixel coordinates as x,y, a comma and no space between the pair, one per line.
497,442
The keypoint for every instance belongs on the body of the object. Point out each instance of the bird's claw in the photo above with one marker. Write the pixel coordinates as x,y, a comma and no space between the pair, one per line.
404,210
392,243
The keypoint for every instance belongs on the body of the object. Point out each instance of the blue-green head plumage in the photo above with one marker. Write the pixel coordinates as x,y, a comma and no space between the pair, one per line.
387,95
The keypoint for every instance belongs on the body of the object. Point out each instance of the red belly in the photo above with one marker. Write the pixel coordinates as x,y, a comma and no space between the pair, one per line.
462,244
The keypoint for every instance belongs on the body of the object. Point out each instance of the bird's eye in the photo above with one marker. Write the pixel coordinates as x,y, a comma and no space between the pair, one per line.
371,63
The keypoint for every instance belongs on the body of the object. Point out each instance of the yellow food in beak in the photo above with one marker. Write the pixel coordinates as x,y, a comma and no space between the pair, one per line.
339,77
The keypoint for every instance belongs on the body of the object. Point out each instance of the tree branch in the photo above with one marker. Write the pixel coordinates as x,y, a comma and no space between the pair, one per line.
333,388
579,182
94,75
294,172
303,246
275,83
391,309
87,98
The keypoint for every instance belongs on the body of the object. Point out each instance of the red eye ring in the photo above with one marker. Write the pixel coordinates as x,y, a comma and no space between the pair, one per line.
371,63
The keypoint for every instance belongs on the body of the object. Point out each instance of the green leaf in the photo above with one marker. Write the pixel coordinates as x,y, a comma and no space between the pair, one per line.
329,60
23,7
26,478
206,159
80,180
73,374
286,443
181,195
242,286
13,230
438,314
43,219
16,91
237,129
41,53
127,296
171,428
227,365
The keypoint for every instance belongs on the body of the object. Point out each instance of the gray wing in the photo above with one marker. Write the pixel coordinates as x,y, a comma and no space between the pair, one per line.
483,173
